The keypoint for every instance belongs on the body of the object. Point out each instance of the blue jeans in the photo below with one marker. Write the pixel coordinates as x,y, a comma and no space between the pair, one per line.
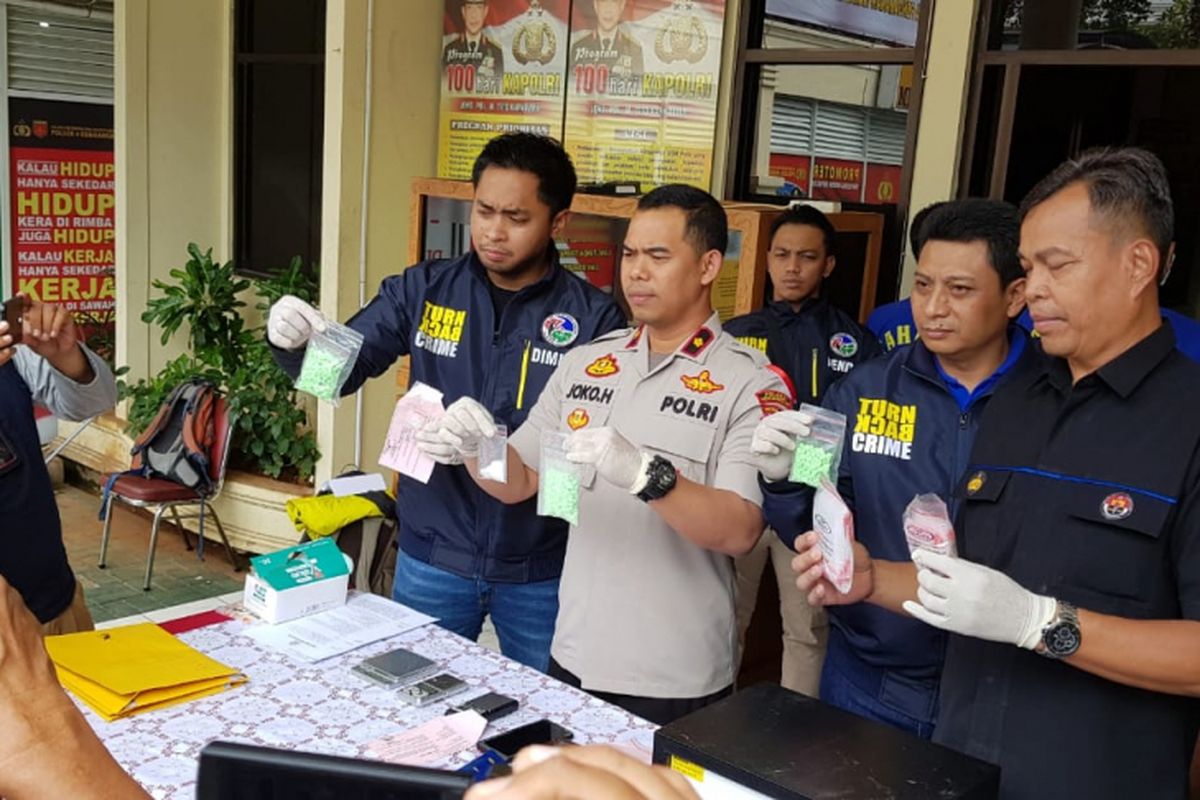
880,695
523,613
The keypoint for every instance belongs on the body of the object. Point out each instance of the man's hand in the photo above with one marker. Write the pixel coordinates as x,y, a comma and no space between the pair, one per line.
809,567
592,772
49,330
774,442
616,458
47,747
7,348
431,442
973,600
464,425
291,322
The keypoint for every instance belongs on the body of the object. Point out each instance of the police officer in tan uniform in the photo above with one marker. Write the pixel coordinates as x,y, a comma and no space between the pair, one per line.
664,413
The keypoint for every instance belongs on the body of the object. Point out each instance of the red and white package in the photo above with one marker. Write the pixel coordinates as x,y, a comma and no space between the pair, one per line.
834,523
927,526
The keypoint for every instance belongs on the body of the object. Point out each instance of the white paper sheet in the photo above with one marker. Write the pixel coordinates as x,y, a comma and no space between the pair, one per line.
420,405
364,619
355,484
433,742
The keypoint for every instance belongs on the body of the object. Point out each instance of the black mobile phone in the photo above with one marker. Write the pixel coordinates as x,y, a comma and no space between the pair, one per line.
541,732
490,706
13,310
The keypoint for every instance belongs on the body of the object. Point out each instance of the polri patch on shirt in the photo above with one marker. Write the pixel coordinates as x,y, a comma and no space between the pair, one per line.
579,418
689,407
560,329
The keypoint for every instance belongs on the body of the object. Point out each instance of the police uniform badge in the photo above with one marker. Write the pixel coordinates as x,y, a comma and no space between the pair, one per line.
976,483
700,340
702,383
560,329
843,344
579,418
1116,506
603,366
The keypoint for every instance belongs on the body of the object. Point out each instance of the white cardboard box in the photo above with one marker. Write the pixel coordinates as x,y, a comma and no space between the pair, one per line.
297,581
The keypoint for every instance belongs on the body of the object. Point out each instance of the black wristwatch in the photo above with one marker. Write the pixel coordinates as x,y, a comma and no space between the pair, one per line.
1061,638
660,479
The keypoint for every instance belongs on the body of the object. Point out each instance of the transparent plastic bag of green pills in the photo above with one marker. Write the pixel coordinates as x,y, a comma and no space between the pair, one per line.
817,455
559,480
328,361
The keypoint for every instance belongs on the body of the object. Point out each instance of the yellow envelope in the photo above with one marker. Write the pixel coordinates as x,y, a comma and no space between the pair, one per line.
135,668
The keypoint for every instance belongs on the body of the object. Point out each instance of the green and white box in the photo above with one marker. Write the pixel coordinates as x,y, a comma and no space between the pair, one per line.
297,581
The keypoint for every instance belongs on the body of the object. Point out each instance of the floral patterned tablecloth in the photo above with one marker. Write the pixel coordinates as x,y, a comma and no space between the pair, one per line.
325,708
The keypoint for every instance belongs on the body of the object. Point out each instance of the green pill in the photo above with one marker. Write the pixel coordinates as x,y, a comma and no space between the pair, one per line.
321,373
560,494
810,463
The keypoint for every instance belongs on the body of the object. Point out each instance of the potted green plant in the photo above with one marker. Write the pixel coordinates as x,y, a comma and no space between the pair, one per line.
272,435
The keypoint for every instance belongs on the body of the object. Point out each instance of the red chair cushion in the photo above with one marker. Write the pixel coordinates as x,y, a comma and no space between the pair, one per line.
150,490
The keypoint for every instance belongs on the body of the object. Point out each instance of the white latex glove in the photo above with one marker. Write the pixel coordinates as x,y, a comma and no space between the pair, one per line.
465,424
431,442
292,321
964,597
774,442
613,456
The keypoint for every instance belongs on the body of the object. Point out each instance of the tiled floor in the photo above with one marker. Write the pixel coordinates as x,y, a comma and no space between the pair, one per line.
116,592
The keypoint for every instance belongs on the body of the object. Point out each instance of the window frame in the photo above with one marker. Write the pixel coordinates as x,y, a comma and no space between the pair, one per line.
242,120
752,58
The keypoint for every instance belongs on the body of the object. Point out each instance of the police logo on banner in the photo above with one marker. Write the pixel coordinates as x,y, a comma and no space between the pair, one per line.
843,344
560,329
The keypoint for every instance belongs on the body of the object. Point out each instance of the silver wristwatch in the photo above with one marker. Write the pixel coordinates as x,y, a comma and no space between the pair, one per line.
1061,638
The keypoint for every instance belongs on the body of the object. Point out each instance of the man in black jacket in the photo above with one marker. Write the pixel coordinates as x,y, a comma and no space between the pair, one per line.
815,343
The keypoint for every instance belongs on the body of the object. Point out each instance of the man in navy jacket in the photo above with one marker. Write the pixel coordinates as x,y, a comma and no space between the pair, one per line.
911,419
491,325
814,342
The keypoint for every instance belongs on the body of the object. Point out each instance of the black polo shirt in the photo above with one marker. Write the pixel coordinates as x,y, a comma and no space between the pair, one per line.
1090,494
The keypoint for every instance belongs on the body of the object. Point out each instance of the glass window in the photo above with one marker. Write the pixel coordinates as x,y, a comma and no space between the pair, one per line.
839,24
1095,24
831,132
278,121
836,133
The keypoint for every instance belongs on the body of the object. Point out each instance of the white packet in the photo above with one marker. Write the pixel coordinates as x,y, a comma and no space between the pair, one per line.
559,480
927,526
493,456
834,523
